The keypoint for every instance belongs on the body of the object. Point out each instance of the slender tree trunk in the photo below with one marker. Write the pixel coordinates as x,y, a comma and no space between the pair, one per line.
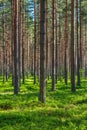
59,49
12,40
85,47
38,53
56,52
53,43
80,35
23,50
42,96
73,88
3,25
23,41
34,41
46,38
6,60
66,46
16,48
78,56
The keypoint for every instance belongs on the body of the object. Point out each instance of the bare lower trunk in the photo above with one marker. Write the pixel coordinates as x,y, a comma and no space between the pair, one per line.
73,88
42,96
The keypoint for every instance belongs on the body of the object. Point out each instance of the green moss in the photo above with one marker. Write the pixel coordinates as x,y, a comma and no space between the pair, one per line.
63,110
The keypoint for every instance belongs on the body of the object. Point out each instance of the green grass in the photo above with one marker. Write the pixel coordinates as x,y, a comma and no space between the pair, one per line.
63,110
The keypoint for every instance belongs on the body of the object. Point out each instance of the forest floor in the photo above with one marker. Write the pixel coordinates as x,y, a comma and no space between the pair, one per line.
63,110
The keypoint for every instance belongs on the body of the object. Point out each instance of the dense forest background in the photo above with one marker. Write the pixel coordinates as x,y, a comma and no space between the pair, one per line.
43,64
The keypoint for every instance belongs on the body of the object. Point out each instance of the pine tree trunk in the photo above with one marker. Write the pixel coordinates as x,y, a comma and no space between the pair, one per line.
73,88
53,43
66,46
34,41
78,52
16,48
80,35
42,96
4,48
46,38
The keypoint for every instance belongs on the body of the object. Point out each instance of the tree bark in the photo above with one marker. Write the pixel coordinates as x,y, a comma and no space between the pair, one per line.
16,47
78,52
53,42
42,96
73,88
66,45
34,41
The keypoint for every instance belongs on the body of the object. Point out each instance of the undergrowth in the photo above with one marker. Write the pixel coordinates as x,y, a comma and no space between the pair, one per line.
63,110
